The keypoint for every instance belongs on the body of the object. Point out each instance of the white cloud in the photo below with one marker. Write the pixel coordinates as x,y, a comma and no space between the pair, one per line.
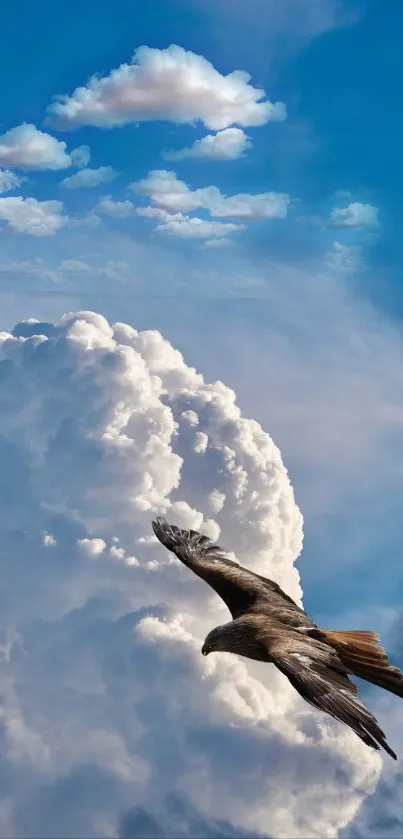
25,147
355,215
168,84
116,209
92,547
106,692
89,177
229,144
188,227
27,215
9,181
165,189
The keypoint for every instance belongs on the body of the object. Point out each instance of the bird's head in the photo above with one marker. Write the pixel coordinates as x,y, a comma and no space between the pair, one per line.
216,640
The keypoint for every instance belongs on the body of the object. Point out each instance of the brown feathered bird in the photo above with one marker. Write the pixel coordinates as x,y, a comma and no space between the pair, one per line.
268,626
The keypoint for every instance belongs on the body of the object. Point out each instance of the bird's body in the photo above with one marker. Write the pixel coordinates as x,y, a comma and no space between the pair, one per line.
268,626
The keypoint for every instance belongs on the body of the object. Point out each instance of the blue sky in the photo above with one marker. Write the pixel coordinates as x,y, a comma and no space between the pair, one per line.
274,267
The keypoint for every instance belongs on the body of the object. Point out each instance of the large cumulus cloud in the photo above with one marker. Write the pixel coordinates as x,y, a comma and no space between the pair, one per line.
112,723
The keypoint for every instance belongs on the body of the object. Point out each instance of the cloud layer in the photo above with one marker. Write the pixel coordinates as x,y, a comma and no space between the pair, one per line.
168,84
112,722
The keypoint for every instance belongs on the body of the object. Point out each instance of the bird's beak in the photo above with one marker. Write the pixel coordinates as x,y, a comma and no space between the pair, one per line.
205,651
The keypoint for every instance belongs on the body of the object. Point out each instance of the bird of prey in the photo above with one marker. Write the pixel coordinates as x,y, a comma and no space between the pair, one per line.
268,626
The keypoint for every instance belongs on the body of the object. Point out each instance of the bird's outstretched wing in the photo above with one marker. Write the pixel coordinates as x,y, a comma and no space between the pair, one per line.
240,589
320,678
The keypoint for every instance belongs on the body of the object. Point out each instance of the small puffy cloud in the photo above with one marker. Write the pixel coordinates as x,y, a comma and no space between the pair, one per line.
92,547
106,701
355,215
89,177
116,209
167,84
25,147
188,227
165,189
37,218
229,144
9,181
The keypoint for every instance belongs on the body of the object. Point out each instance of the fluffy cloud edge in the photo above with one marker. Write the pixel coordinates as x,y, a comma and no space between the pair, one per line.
161,84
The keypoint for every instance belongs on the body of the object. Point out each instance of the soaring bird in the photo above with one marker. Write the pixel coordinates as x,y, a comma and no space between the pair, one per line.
268,626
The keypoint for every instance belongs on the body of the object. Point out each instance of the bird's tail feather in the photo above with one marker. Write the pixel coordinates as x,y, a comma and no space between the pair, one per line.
362,654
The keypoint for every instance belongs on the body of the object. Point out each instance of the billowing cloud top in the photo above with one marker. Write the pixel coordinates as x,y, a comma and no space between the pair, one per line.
168,84
112,721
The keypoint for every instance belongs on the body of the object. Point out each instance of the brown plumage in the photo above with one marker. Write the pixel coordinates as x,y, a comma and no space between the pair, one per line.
268,626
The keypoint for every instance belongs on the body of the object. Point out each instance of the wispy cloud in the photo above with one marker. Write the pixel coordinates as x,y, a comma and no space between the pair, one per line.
63,270
344,259
218,243
87,178
9,181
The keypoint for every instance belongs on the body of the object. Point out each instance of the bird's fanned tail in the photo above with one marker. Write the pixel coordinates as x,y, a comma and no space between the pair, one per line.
363,656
